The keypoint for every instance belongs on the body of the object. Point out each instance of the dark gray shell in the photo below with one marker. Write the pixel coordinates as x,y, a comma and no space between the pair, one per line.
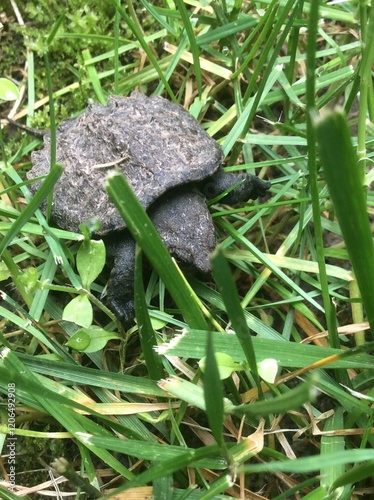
157,144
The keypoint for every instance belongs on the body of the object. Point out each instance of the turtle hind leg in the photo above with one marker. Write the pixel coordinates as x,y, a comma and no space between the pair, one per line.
183,221
185,225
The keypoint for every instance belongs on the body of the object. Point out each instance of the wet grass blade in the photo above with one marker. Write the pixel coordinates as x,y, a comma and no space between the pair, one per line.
89,376
347,192
146,236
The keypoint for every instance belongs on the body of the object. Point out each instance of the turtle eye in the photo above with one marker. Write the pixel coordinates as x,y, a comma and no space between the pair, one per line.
210,190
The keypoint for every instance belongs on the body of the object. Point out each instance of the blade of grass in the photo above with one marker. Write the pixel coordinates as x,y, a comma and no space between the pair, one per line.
293,51
139,36
290,493
344,181
332,444
249,111
228,29
220,485
52,116
355,474
24,321
15,273
213,394
173,63
222,16
30,85
117,22
193,45
192,344
166,467
313,23
265,25
62,467
292,263
55,27
93,77
356,410
88,376
330,12
267,262
161,16
311,464
127,47
154,451
292,399
205,64
6,494
366,88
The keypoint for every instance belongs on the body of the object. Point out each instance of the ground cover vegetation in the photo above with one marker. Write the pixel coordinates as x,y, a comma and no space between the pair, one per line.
254,382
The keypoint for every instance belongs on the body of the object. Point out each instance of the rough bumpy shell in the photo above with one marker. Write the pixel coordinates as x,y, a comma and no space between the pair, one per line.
157,145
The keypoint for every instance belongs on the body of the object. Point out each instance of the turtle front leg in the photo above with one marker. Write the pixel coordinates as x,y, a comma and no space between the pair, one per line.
120,292
250,187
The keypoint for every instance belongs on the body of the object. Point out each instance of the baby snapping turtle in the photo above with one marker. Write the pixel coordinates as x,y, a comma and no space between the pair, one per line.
172,165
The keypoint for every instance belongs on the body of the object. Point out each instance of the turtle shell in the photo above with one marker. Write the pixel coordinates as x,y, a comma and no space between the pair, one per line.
157,144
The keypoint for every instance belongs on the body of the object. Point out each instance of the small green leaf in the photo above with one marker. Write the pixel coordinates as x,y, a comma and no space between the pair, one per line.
79,341
225,363
95,338
158,323
79,311
90,261
8,90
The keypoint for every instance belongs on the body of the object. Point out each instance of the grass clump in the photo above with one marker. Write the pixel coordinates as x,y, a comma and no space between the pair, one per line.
181,407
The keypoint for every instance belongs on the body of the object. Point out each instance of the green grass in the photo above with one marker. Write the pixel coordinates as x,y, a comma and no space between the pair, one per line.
134,411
